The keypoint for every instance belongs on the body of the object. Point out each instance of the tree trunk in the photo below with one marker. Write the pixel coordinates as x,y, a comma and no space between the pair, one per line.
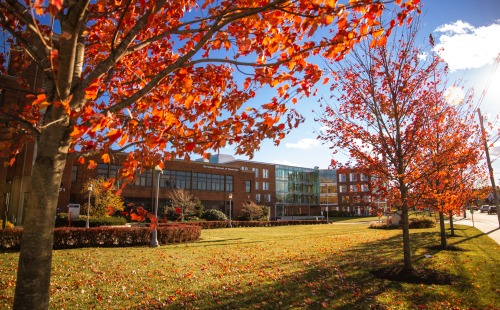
443,229
408,265
35,258
452,228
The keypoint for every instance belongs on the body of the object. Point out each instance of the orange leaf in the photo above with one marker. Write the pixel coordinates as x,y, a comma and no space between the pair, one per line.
105,158
111,210
92,164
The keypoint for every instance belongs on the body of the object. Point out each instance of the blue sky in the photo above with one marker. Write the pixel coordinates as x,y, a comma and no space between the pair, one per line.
469,32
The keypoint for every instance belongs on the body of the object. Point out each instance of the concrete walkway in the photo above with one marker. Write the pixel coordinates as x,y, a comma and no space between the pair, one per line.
490,228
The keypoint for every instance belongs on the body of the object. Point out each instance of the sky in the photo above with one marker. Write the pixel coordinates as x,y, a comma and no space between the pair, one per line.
467,31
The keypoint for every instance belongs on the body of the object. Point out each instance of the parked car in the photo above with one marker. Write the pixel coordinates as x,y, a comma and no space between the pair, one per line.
484,208
492,209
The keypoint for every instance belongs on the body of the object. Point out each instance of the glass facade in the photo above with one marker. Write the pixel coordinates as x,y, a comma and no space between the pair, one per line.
297,186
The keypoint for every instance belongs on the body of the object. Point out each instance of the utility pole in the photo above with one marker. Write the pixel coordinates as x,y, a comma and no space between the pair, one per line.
488,161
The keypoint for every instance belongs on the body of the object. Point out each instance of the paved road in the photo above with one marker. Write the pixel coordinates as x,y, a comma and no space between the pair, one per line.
488,224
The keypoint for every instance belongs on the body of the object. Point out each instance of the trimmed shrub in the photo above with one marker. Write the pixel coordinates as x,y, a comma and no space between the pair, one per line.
62,221
71,237
10,239
419,222
224,224
422,222
383,225
214,215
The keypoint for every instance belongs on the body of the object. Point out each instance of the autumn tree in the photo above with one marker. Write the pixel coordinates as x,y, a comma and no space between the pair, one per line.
380,97
185,201
102,199
254,212
453,151
169,78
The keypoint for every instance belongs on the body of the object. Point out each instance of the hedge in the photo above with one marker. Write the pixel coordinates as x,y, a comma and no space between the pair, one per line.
62,221
72,237
225,224
418,222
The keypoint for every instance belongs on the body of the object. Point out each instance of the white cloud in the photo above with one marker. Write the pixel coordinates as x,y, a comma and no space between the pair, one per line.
464,46
306,143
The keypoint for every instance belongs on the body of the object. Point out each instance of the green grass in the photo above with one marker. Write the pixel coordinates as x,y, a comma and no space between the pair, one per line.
289,267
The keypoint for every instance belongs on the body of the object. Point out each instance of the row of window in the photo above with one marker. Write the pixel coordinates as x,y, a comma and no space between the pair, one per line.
265,172
354,188
353,177
267,197
265,186
173,179
356,199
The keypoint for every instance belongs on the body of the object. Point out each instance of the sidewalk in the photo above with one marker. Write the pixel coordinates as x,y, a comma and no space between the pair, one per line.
491,229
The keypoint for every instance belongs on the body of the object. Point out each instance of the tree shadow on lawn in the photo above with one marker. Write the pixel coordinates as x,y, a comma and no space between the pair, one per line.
353,278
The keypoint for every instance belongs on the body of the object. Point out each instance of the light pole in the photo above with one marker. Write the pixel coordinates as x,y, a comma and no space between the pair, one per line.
154,235
88,206
230,201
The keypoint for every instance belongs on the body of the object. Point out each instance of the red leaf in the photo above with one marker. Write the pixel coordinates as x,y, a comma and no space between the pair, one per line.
111,210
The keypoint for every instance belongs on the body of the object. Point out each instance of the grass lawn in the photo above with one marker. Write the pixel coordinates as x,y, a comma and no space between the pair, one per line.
289,267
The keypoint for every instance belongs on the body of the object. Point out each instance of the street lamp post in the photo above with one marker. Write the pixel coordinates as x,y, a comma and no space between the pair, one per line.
88,206
154,235
230,202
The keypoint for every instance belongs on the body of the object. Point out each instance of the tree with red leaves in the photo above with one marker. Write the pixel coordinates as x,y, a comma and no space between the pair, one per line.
170,78
389,117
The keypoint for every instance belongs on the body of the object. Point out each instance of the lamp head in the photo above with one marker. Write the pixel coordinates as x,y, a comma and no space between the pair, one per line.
230,196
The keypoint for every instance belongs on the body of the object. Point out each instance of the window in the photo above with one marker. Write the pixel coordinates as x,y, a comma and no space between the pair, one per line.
212,182
364,188
343,189
353,177
229,183
366,198
353,188
267,197
102,170
176,179
256,170
244,168
217,182
363,177
265,173
342,177
256,186
248,186
74,173
113,171
257,197
265,186
144,179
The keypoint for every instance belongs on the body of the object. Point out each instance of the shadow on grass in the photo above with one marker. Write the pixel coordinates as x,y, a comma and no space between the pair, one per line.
216,241
354,278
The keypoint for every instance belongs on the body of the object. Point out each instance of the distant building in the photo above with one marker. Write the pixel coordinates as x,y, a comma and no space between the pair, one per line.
354,192
328,189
